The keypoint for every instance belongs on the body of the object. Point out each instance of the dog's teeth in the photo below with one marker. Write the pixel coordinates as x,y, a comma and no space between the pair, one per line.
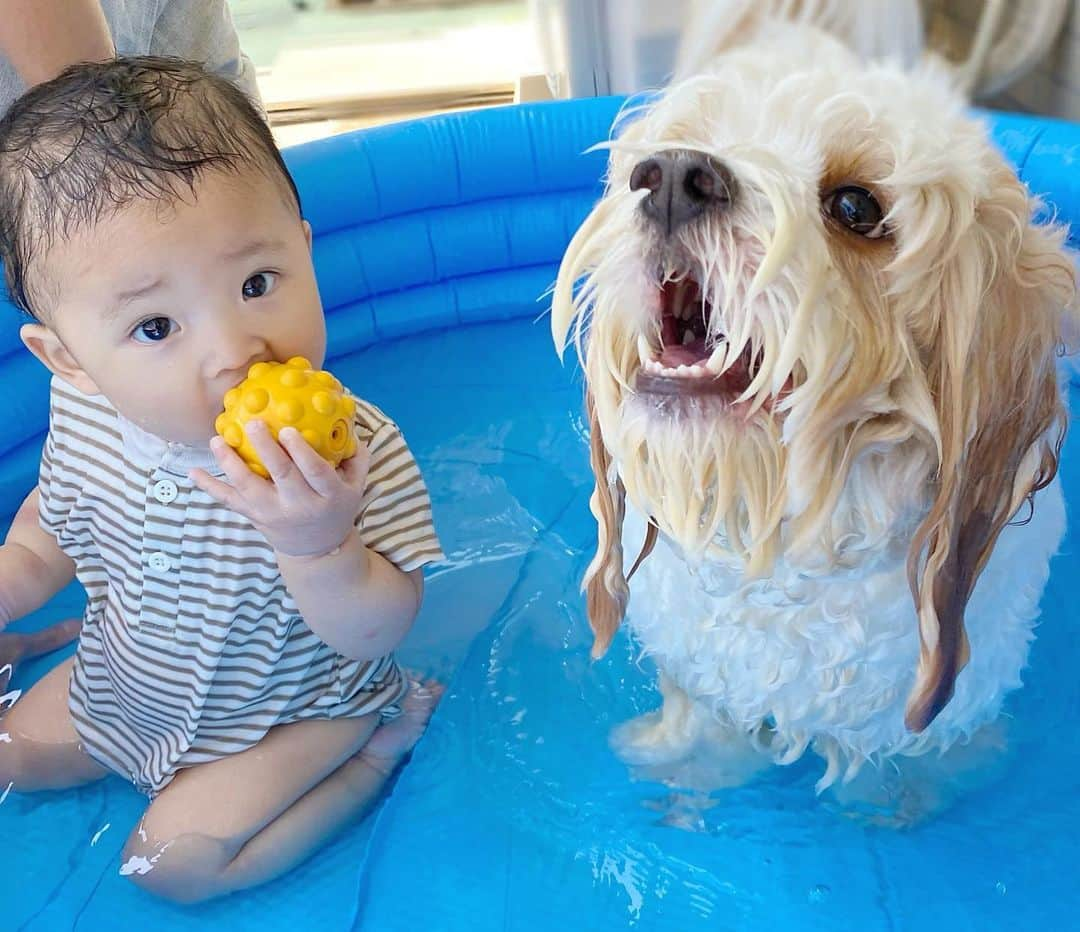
683,371
644,349
715,363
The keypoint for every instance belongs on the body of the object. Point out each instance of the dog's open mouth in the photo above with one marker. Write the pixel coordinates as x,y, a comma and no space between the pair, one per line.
687,361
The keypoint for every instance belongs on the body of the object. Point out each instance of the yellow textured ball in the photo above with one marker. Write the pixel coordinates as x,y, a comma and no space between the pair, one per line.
290,394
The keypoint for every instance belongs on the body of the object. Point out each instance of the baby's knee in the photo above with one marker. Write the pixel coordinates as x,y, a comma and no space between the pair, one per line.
12,764
186,869
20,768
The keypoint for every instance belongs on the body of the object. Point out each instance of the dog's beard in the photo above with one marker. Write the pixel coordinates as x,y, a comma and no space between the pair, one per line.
729,481
709,469
709,477
708,483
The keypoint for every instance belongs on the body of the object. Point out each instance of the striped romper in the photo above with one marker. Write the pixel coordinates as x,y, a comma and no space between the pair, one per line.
191,646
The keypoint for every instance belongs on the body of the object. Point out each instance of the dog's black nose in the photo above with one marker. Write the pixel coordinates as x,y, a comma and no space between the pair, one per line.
682,185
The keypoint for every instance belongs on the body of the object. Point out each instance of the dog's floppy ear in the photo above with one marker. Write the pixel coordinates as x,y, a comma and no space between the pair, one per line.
606,588
992,375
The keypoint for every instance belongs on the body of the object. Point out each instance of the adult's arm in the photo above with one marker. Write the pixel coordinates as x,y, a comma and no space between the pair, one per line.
42,37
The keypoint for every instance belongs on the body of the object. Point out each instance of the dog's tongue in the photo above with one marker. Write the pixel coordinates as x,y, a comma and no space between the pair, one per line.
689,354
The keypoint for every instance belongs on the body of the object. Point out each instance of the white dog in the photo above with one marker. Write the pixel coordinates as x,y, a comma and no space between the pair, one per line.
819,332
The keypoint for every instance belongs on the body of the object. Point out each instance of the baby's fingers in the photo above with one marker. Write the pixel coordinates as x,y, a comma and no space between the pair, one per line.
220,491
316,471
278,458
244,491
355,469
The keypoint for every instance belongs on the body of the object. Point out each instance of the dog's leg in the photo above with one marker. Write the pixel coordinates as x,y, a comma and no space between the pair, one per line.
905,791
668,734
682,743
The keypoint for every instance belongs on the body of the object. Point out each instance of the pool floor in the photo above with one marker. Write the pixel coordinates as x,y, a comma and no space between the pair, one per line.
514,814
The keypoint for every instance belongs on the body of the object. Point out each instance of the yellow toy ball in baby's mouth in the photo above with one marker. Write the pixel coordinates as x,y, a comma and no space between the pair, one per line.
290,394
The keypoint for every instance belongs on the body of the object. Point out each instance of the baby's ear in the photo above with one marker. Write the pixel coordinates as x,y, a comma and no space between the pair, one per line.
307,234
47,346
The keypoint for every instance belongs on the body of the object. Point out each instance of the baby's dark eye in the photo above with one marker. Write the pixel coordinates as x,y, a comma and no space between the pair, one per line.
259,284
153,330
858,210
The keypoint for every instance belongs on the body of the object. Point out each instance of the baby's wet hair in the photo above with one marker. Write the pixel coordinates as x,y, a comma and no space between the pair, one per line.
102,136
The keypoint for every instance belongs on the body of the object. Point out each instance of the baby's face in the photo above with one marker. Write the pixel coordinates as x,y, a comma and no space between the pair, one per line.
165,306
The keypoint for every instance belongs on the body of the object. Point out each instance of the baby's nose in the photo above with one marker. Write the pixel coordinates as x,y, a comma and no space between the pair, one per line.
235,350
683,185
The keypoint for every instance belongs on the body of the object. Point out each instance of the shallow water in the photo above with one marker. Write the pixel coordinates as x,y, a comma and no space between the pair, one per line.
513,813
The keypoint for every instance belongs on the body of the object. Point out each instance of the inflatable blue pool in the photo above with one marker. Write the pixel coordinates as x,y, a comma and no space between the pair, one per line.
436,242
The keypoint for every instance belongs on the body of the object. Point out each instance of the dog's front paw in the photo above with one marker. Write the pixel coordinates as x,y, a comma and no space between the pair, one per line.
650,739
687,752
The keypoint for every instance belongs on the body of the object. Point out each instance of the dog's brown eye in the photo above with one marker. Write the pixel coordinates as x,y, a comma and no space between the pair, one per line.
858,210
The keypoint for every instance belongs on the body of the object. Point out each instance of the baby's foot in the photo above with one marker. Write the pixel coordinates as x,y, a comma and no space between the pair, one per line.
391,742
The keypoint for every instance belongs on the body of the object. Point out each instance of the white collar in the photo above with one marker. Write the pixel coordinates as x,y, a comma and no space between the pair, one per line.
151,452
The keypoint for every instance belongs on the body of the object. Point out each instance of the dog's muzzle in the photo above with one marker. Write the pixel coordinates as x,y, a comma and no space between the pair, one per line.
683,186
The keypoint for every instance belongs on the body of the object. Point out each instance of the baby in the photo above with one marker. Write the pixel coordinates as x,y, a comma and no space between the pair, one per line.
235,656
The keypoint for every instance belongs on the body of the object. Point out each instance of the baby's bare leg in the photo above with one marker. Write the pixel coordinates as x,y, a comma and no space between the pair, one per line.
240,821
39,749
